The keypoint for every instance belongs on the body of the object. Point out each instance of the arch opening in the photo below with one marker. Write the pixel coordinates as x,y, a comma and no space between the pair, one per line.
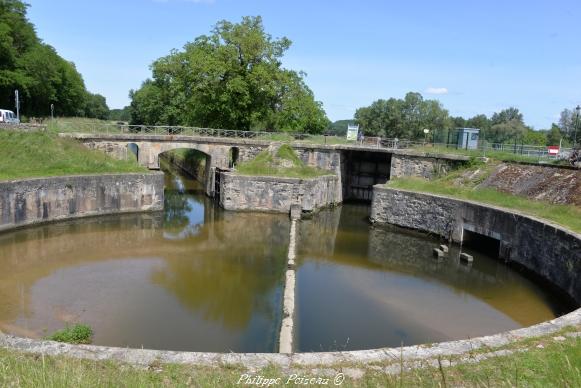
193,162
133,149
233,156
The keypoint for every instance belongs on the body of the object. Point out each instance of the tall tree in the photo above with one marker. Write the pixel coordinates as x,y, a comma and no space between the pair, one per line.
506,126
506,131
568,123
35,68
96,107
554,136
506,115
479,121
232,78
403,118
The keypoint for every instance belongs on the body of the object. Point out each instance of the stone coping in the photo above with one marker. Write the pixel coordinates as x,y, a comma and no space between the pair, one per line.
279,179
146,357
76,182
39,179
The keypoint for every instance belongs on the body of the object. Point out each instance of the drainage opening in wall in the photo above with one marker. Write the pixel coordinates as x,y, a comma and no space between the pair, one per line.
485,244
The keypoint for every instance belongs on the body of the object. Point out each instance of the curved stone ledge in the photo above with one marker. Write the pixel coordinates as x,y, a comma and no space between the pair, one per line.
260,360
278,194
546,249
32,201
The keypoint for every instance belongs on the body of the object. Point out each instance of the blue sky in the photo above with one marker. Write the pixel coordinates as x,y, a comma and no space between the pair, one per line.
475,57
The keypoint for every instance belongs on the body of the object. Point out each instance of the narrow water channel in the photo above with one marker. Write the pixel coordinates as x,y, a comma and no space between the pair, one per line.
201,279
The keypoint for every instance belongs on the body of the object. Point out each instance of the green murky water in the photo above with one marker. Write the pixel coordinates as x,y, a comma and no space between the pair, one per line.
198,278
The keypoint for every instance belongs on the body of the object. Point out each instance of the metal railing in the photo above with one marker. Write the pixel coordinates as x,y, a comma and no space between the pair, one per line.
484,148
539,152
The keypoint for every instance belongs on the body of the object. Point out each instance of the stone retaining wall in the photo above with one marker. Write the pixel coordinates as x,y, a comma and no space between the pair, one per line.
548,250
277,194
32,201
423,165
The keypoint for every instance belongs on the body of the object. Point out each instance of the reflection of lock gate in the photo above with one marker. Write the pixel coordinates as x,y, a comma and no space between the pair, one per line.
217,180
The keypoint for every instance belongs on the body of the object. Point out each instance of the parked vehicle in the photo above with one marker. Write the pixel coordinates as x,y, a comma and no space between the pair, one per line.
7,116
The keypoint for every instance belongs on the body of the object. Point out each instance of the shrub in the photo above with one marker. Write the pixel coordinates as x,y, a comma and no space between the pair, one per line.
77,334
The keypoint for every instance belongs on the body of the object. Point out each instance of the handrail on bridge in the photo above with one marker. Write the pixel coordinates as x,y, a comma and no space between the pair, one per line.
366,142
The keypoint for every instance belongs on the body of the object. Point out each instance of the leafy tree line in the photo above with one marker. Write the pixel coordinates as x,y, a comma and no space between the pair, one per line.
406,118
402,118
41,76
232,78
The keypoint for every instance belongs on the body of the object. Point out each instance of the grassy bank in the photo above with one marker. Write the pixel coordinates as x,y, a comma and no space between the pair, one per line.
37,154
568,216
505,156
548,361
283,163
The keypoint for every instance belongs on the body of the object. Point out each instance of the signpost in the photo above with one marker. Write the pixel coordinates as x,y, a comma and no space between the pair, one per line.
352,132
17,104
553,150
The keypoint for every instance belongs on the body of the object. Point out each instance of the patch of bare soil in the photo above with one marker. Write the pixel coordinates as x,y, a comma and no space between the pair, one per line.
552,184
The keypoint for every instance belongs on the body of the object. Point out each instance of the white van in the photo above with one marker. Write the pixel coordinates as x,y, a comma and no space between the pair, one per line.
7,116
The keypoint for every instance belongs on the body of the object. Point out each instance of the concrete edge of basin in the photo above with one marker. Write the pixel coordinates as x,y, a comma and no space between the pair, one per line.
146,357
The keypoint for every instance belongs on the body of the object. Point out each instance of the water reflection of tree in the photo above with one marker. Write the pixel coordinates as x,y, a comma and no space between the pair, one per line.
228,290
235,274
176,208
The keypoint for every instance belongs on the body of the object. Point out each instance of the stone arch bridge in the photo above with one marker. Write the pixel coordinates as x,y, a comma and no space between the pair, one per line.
359,167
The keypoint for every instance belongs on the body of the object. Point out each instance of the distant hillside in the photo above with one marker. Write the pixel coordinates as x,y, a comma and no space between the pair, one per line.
339,127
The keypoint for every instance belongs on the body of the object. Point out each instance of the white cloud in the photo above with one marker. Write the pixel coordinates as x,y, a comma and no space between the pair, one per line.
432,90
186,1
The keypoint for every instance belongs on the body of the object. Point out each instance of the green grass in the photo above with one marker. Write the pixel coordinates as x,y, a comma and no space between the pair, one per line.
504,156
286,152
77,334
265,164
38,154
82,125
556,364
568,216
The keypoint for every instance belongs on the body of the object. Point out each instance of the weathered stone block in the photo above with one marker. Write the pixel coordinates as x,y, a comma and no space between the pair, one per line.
466,257
438,253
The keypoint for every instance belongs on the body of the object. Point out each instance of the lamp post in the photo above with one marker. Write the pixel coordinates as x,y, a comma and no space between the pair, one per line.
578,111
17,99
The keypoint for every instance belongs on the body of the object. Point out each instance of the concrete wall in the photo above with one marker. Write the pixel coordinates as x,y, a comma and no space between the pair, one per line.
548,250
424,166
32,201
277,194
329,160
